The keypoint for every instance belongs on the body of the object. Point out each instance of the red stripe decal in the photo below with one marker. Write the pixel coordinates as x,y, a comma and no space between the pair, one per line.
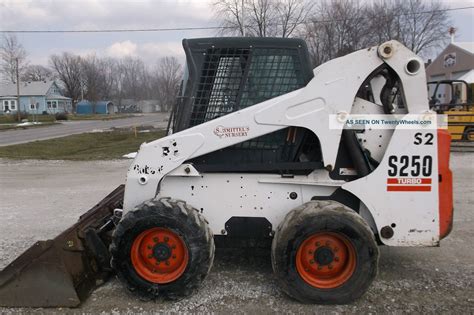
409,181
408,188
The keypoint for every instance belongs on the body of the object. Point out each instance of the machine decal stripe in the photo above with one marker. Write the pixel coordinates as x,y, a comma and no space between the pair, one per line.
411,181
408,188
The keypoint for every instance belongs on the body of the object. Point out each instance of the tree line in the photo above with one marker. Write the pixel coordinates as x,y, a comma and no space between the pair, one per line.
96,78
331,28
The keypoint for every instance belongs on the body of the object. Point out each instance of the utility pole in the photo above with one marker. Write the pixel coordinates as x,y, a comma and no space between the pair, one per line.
243,20
18,91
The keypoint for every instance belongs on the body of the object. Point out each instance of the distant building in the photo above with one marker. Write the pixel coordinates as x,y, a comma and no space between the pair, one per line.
136,106
456,62
35,97
99,107
148,106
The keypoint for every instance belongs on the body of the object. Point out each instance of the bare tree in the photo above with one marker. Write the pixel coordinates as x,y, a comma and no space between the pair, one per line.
292,14
68,68
12,50
98,78
110,73
37,73
167,78
230,12
419,25
102,78
338,28
91,70
133,78
262,18
91,79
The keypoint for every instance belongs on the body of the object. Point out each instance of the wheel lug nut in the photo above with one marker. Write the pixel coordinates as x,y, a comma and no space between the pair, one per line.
336,258
158,262
150,256
149,247
167,263
310,252
173,246
318,243
311,261
320,267
330,266
155,239
166,238
174,256
336,249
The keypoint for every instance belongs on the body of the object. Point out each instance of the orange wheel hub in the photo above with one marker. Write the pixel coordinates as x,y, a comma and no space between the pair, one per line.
326,260
159,255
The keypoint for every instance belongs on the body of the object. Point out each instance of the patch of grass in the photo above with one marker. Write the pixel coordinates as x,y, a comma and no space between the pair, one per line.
10,119
82,147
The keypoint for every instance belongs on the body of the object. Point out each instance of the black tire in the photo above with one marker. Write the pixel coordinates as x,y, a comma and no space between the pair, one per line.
467,133
316,218
181,219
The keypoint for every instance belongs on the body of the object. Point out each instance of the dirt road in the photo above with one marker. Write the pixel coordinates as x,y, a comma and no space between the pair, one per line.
39,199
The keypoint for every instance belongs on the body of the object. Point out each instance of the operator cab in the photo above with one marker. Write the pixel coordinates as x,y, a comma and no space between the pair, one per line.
450,95
224,75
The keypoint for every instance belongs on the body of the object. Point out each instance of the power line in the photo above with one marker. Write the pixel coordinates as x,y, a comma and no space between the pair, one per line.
172,29
121,30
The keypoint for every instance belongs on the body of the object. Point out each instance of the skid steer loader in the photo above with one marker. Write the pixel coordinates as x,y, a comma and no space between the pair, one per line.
251,155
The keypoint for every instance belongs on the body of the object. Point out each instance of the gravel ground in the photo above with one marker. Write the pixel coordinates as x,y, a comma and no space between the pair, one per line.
41,198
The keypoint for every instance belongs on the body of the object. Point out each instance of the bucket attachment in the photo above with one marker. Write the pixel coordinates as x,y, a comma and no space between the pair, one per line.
63,272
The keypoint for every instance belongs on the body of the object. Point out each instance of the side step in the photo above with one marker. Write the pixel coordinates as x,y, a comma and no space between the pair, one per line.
64,271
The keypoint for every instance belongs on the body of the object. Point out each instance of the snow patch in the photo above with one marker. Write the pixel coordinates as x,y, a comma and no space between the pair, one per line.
130,155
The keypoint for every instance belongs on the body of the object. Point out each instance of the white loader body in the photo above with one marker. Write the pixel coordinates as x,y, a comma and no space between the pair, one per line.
411,209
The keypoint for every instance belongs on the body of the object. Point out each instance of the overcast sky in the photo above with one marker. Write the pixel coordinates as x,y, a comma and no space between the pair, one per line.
132,14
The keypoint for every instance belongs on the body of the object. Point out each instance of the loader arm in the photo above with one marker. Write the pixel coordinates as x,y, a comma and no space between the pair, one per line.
332,90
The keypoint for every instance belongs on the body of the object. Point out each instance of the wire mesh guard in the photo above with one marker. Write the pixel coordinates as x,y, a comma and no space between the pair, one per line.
236,78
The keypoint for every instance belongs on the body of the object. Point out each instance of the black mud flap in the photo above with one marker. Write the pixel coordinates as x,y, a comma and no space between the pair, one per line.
64,271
